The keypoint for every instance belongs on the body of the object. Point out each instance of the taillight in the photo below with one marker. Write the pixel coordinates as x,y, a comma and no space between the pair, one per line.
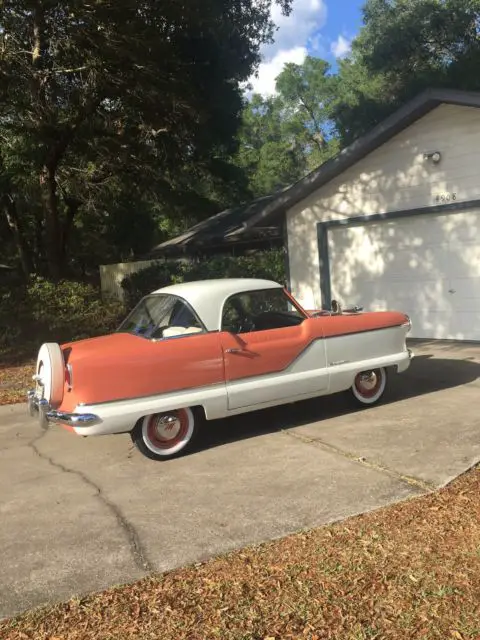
407,323
69,376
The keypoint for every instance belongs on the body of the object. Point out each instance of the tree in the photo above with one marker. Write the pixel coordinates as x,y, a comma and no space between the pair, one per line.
266,153
285,136
307,94
363,99
404,47
101,98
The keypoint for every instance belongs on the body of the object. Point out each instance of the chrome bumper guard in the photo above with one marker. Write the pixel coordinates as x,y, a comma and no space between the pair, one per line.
39,407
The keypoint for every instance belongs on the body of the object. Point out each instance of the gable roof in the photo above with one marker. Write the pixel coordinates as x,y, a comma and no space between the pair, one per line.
394,124
221,227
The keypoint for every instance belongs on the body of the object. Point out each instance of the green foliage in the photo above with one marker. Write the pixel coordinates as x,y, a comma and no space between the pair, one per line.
157,275
307,94
121,127
266,264
404,47
109,106
284,137
47,311
71,308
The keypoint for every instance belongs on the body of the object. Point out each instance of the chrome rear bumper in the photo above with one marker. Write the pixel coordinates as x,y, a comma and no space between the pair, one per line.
39,407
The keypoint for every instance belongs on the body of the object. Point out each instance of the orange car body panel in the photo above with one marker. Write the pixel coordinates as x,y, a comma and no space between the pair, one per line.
261,352
123,366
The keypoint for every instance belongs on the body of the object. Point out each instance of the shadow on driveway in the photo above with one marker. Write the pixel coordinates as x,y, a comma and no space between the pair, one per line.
426,374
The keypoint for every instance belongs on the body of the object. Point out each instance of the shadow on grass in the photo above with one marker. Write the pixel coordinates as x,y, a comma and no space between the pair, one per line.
425,375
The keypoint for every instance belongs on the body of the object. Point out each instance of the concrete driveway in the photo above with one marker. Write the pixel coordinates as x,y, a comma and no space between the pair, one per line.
80,514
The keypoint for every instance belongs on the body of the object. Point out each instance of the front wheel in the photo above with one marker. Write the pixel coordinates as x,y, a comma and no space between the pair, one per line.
161,436
369,386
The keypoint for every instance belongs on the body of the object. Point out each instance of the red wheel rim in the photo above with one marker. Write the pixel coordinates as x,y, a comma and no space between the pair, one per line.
166,430
368,383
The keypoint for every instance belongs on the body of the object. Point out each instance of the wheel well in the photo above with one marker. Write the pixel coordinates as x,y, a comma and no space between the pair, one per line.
199,410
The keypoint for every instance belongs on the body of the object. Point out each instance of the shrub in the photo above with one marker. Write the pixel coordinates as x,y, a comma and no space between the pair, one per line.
155,276
44,311
266,264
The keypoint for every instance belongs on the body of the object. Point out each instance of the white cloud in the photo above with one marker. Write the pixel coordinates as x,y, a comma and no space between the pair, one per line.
292,36
341,47
264,83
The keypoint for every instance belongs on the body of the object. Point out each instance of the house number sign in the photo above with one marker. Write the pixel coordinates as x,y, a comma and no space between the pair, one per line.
442,198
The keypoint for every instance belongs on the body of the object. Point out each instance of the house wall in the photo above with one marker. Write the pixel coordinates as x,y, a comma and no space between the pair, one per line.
393,177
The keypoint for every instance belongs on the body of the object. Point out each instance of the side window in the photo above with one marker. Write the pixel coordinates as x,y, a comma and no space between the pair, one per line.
182,321
232,315
259,311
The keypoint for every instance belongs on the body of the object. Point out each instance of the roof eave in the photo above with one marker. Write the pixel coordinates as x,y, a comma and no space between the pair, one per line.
391,126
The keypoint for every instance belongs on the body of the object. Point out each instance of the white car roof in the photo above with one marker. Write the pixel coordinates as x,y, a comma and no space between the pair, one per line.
208,296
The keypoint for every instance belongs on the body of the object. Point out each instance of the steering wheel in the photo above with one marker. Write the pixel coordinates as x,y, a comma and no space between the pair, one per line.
245,325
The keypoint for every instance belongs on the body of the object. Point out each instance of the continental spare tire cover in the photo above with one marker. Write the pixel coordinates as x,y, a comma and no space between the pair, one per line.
51,371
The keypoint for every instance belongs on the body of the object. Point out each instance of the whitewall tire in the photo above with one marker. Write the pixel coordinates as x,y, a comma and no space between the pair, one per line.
165,435
50,373
369,386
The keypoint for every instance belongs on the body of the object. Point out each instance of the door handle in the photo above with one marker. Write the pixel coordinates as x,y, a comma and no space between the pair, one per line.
233,350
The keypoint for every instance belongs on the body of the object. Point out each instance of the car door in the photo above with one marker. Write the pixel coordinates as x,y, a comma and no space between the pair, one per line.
271,350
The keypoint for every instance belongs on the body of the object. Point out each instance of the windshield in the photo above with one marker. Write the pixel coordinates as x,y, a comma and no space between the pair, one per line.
161,316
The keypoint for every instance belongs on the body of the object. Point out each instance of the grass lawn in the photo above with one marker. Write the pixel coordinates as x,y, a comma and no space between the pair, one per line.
407,571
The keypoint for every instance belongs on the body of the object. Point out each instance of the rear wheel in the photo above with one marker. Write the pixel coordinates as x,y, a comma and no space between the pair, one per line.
165,435
369,386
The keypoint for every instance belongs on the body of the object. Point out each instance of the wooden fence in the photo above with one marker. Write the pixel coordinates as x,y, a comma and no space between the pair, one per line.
111,276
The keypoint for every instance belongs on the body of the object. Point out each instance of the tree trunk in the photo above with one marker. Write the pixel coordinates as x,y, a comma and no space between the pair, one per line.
52,223
23,250
72,208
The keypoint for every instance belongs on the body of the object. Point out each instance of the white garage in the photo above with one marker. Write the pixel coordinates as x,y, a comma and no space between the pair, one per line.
393,221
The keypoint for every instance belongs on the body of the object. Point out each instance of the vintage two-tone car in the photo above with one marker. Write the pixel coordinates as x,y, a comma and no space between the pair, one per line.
211,349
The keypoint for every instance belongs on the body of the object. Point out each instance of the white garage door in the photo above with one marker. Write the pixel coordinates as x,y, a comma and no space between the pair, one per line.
427,266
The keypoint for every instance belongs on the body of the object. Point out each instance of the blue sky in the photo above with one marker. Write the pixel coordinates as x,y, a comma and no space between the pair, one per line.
323,28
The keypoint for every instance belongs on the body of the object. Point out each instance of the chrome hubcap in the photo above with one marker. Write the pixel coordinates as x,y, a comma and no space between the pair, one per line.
368,381
167,427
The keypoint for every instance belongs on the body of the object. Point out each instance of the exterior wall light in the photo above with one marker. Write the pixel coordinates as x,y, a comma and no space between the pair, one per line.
434,156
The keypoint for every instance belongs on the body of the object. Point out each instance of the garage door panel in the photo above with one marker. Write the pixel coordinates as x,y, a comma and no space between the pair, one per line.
465,288
465,327
427,266
464,294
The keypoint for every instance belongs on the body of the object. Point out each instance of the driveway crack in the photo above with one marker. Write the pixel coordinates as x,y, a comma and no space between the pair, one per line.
137,549
370,464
